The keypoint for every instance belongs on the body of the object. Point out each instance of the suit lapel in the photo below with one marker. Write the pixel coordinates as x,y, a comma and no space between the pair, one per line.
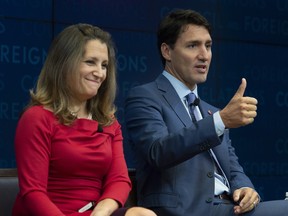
172,98
204,109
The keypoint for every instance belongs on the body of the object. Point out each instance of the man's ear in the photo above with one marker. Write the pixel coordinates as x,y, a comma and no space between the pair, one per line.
165,50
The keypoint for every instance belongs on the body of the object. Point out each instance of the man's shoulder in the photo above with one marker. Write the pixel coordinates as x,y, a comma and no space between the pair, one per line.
153,85
144,87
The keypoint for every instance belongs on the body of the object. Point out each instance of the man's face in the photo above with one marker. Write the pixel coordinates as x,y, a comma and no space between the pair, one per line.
190,59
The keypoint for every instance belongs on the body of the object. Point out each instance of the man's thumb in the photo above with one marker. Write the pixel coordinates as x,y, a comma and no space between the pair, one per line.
236,195
242,87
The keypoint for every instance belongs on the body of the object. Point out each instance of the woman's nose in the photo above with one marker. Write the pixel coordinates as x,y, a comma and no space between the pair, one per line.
99,71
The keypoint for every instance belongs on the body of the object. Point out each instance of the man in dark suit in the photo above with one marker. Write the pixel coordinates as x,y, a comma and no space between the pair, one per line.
185,162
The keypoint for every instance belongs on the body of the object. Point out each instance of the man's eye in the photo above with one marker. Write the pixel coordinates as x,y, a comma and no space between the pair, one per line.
192,45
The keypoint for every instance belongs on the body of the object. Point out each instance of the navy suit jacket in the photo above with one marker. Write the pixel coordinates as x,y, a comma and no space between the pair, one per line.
175,172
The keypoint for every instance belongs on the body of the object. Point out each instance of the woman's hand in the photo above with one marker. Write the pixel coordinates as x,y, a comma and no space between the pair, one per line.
105,208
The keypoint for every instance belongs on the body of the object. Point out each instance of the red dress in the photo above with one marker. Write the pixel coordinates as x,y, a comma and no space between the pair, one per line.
62,168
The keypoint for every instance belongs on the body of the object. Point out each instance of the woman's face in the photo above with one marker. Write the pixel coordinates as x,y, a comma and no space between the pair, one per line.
92,71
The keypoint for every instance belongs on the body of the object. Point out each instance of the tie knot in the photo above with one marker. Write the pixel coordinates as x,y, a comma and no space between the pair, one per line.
191,99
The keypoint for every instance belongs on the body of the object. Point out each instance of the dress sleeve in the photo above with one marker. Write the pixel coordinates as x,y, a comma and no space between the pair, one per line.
32,148
117,184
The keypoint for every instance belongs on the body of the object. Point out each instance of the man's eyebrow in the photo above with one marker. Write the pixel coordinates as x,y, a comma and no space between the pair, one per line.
199,41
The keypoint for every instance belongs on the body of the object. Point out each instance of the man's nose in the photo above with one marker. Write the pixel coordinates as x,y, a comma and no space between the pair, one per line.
204,53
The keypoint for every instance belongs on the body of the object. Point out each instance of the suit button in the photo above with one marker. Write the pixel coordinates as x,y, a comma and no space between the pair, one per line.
209,200
210,174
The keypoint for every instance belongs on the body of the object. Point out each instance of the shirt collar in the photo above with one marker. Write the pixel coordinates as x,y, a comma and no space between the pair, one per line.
181,89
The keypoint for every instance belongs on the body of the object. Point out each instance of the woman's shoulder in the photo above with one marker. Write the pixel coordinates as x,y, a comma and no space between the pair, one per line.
38,113
38,110
113,128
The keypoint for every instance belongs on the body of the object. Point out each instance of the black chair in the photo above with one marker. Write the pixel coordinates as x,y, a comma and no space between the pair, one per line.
8,190
132,199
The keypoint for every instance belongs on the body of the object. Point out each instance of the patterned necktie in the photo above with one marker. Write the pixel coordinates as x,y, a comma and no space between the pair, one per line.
191,105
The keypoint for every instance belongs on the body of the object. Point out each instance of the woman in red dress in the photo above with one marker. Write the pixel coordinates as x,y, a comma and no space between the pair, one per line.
68,142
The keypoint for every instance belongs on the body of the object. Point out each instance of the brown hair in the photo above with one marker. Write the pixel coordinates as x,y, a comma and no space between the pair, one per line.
64,56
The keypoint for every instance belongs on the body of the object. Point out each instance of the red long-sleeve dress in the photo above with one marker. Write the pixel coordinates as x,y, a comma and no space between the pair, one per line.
62,168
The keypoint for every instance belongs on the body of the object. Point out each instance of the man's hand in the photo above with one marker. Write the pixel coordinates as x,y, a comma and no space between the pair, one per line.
240,110
247,199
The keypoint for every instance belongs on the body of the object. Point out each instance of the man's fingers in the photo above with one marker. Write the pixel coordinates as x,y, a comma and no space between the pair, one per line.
251,107
249,114
250,100
241,89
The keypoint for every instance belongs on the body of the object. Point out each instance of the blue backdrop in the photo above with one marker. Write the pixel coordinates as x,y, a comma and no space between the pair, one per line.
250,40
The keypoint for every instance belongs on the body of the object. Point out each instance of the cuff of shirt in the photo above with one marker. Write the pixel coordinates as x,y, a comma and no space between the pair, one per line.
218,123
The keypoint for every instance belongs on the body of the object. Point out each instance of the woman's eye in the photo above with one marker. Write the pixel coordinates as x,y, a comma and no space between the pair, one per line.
89,62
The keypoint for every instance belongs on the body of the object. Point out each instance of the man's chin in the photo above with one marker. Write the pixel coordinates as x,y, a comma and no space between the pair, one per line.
201,80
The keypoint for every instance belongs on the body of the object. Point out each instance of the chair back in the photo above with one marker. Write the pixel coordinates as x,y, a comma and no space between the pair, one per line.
132,199
8,190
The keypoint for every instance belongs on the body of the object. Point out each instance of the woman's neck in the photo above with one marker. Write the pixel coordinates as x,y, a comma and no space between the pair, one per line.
79,111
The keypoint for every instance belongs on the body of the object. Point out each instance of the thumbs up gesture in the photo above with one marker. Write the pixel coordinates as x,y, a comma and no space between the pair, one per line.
240,110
